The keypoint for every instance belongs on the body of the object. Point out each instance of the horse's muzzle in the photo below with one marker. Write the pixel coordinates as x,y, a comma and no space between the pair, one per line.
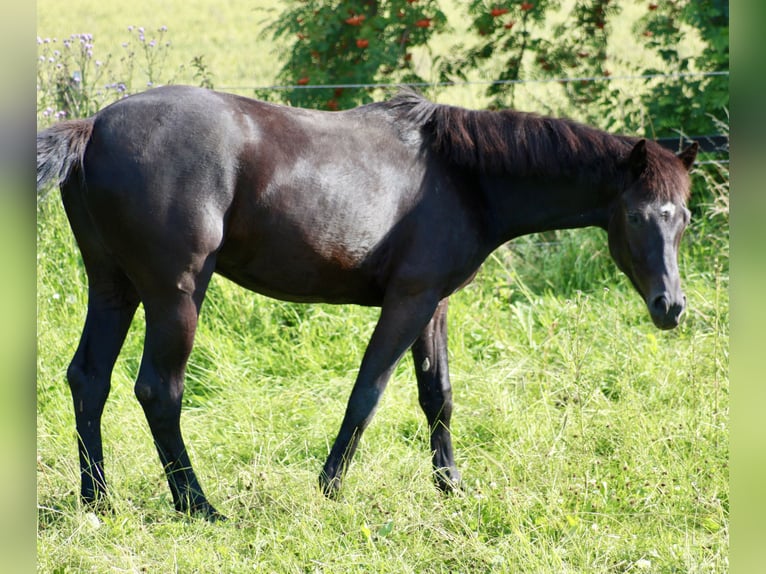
666,310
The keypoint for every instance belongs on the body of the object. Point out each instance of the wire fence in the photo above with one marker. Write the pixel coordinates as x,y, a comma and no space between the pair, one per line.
559,80
716,144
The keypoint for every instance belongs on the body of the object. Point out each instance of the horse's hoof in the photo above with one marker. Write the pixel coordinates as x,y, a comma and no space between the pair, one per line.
206,511
330,487
99,504
215,516
448,481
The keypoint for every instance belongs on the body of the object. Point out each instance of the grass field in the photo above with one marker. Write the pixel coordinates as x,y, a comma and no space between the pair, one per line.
588,440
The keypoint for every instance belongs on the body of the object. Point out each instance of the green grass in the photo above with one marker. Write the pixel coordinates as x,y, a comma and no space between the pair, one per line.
588,440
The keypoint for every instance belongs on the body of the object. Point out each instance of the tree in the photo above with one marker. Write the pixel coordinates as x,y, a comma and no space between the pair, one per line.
342,43
367,42
517,36
692,104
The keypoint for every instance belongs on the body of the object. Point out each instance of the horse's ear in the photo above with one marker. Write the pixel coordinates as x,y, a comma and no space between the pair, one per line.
637,158
687,156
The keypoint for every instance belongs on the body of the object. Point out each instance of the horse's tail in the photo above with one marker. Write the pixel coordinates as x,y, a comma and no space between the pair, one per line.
60,149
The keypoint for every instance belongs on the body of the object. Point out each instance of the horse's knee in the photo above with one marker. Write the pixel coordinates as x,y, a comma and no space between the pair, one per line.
144,392
75,376
159,402
86,384
437,405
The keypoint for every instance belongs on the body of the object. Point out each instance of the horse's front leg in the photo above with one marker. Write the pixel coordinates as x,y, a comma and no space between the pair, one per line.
435,395
402,318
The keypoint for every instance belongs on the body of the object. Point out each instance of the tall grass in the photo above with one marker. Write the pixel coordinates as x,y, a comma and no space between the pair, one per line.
589,441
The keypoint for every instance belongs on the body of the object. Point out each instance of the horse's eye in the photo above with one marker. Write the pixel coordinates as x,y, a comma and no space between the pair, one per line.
634,218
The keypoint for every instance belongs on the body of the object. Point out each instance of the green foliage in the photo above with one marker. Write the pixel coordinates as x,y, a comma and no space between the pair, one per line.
518,35
513,41
346,43
583,46
691,104
202,74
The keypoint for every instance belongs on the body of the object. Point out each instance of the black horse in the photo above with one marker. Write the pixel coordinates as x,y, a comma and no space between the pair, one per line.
393,204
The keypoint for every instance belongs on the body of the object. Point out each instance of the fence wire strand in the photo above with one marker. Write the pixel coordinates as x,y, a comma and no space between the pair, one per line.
564,80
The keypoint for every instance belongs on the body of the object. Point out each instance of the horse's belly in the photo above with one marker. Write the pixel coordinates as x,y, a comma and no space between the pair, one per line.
311,244
301,276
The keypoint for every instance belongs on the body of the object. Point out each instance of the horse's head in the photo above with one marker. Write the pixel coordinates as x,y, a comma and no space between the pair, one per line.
646,223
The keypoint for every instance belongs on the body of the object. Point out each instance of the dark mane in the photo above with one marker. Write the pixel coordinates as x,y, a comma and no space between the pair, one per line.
525,144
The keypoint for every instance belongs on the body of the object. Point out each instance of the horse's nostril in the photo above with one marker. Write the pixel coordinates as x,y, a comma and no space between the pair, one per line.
660,304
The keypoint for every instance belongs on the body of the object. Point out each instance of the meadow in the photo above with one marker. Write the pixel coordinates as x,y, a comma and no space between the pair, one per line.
588,440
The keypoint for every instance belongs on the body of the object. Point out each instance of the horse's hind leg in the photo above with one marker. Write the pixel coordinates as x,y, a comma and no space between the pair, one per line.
112,302
172,310
435,395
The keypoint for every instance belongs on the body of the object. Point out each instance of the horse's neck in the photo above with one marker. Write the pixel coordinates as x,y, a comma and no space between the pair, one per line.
517,206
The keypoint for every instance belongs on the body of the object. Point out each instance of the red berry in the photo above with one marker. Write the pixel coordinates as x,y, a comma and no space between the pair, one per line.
355,20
